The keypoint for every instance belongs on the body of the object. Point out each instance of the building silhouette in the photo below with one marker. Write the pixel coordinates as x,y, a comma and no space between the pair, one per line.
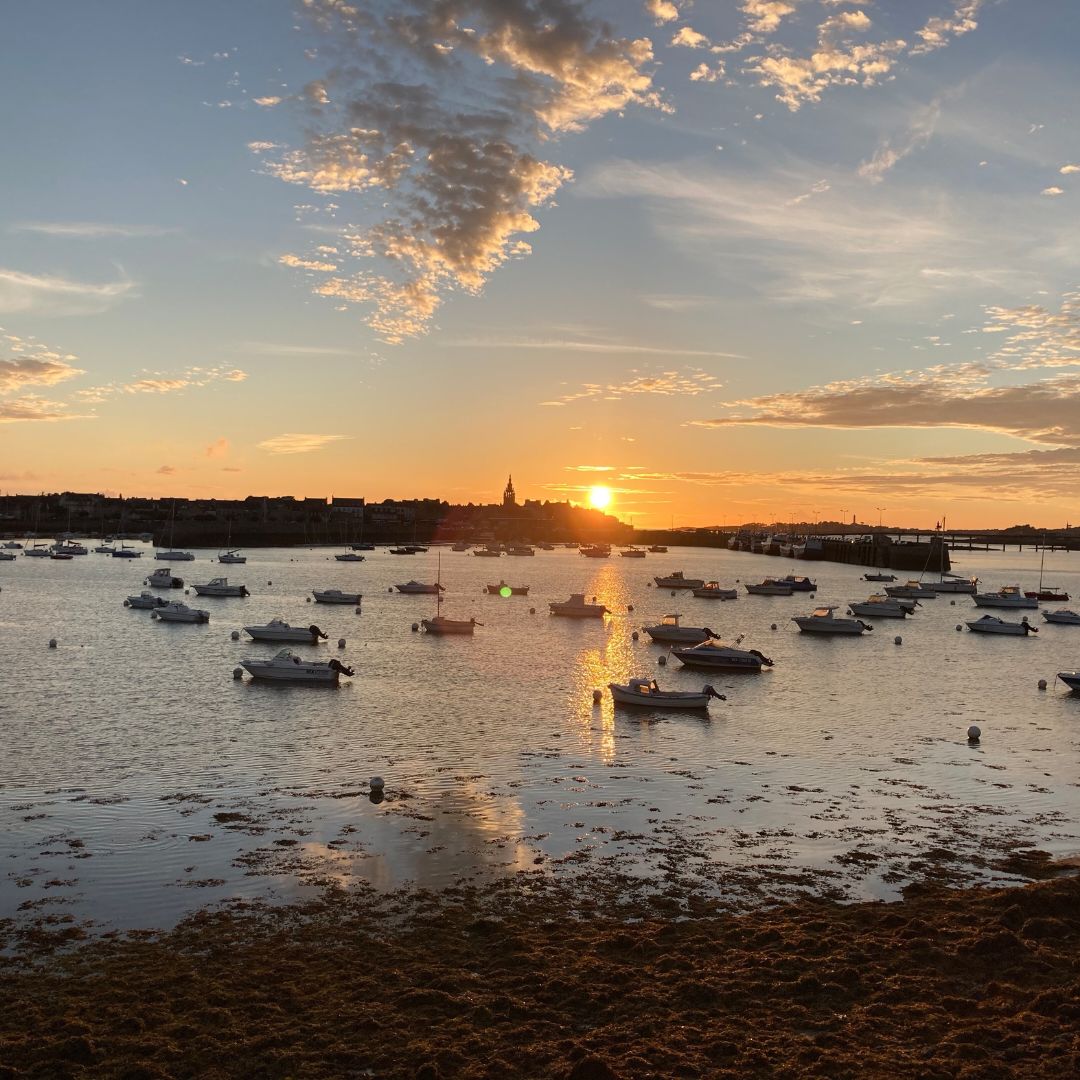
509,498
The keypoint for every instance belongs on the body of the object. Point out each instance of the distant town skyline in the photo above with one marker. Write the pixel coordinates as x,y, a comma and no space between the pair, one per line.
761,261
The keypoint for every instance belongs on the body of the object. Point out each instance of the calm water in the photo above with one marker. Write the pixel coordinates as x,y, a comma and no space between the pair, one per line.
139,780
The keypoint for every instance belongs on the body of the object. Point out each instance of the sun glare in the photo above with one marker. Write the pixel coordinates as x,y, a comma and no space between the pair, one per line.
600,496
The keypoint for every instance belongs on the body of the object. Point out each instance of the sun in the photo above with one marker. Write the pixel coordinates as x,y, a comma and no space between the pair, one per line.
599,496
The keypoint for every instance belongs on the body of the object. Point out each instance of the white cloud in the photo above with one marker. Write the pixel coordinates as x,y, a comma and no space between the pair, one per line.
292,443
1065,170
940,30
662,11
890,152
21,292
91,230
267,102
1052,191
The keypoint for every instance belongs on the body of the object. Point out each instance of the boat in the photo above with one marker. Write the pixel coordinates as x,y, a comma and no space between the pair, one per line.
911,590
521,549
882,607
658,549
596,551
879,577
335,596
349,556
632,553
771,587
502,589
1008,596
544,546
145,599
277,630
163,578
1071,679
363,546
669,629
38,550
646,692
178,612
418,587
799,584
171,555
822,621
677,580
459,547
105,549
220,586
720,656
991,624
488,552
69,547
441,624
962,586
577,608
1064,617
286,666
61,555
231,556
711,590
7,556
125,552
13,545
1046,592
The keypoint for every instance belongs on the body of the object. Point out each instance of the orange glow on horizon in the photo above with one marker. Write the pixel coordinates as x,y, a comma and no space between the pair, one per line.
599,497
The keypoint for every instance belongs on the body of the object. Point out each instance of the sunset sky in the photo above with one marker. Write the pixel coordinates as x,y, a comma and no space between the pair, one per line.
734,259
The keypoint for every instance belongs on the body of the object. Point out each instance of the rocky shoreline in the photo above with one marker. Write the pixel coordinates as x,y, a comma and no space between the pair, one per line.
530,977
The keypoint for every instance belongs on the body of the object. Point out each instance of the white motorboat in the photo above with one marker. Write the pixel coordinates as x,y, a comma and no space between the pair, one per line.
670,630
125,552
349,556
335,596
420,588
277,630
172,556
879,577
711,590
632,553
1062,616
646,692
145,599
951,583
717,655
881,607
1071,679
502,589
577,608
163,578
677,580
1009,596
822,621
220,586
771,587
991,624
911,590
178,612
232,556
286,666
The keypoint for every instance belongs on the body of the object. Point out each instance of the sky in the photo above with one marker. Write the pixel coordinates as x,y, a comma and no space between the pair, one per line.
735,260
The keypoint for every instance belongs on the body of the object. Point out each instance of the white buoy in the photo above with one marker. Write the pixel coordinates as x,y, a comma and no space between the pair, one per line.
1042,684
662,661
898,640
237,672
415,627
973,733
235,635
376,783
52,643
634,636
341,643
598,696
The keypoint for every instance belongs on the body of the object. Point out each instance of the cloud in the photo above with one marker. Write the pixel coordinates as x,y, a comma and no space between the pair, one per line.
21,292
155,386
590,468
1037,337
91,230
162,383
437,111
267,102
17,410
602,347
662,11
1052,191
25,362
291,443
920,131
1066,170
261,146
219,448
940,30
765,16
687,382
306,264
273,348
166,470
690,39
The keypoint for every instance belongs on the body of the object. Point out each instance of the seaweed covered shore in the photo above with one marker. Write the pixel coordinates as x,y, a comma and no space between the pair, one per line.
530,978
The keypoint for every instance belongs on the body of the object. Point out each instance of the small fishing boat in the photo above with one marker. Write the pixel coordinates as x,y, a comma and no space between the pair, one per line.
286,666
879,577
1071,679
419,588
646,692
596,551
951,583
145,599
13,545
670,630
220,586
231,556
163,578
171,556
822,621
402,551
577,608
658,549
278,630
349,556
178,612
335,596
717,655
799,584
502,589
991,624
677,580
521,549
69,547
881,607
61,556
8,556
1063,616
125,552
771,587
632,553
37,551
488,552
911,590
1009,596
712,590
363,547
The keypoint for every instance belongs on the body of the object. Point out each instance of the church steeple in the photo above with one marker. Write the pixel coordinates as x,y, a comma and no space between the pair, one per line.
509,498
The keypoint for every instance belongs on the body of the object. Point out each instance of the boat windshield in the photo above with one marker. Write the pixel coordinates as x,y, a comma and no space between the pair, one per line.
823,613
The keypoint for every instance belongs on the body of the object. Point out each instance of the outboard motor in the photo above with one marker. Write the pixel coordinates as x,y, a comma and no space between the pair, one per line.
244,591
337,665
712,693
761,656
316,633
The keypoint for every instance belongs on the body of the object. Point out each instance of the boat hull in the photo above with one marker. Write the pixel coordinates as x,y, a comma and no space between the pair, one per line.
572,611
295,635
336,598
678,635
658,699
879,611
1071,679
440,625
717,662
300,673
769,590
989,601
219,590
1062,618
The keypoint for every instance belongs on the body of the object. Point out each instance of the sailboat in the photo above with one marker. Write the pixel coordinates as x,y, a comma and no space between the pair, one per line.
1045,593
440,624
952,583
231,554
172,555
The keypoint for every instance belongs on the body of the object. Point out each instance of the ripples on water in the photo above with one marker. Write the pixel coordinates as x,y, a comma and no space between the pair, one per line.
139,780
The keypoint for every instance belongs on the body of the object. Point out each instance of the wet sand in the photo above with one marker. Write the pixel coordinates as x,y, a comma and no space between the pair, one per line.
530,977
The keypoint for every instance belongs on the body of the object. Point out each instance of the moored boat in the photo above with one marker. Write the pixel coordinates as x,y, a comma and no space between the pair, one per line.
798,583
335,596
145,599
658,549
950,583
419,588
178,612
1048,593
278,630
880,606
879,577
822,621
220,586
231,556
1009,596
991,624
577,608
349,556
669,629
171,556
770,587
678,580
596,551
286,666
632,553
1063,617
8,556
718,655
911,590
125,552
1071,679
712,590
163,578
502,589
646,692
